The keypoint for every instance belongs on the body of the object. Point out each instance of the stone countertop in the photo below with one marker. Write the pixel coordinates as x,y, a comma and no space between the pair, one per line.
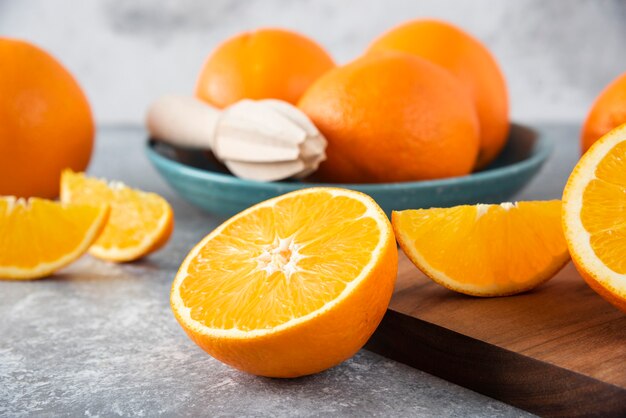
99,339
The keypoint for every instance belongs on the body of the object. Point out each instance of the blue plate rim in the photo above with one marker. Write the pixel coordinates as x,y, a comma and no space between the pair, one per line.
540,153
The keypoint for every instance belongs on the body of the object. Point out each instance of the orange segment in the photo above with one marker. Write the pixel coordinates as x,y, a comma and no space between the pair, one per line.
594,216
291,286
38,237
140,222
485,250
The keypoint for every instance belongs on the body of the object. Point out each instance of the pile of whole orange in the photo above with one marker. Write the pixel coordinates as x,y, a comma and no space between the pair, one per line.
426,100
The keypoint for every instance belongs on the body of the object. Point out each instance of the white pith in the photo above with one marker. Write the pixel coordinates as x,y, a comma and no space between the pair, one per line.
482,208
282,255
184,313
577,236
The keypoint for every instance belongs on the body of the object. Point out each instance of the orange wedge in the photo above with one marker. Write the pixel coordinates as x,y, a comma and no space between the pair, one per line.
38,237
594,216
140,223
485,250
291,286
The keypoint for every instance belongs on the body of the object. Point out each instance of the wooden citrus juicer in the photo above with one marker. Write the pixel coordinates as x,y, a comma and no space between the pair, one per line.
263,140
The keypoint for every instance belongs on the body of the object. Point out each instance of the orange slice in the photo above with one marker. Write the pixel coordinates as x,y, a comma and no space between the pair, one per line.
291,286
485,250
594,216
140,223
38,237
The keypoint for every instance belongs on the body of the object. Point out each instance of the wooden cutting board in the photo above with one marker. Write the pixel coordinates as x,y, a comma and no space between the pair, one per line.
559,350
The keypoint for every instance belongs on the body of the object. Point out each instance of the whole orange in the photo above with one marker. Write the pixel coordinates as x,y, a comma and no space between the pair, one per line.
267,63
45,121
607,112
392,117
471,62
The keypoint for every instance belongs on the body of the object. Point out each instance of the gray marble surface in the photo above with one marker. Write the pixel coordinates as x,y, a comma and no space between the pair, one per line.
99,339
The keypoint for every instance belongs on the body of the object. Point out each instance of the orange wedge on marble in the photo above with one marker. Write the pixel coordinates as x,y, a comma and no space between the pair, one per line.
485,250
140,222
594,216
38,236
291,286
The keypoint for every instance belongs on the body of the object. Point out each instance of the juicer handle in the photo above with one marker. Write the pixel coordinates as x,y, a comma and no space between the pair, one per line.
182,121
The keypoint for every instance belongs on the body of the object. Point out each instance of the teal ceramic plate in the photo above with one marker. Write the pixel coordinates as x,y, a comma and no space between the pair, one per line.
208,185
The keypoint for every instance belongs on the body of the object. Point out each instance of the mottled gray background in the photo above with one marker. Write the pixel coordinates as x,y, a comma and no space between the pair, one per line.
557,55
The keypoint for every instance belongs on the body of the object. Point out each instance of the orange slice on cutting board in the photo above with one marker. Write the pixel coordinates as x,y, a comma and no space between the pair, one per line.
38,237
291,286
594,216
485,250
140,222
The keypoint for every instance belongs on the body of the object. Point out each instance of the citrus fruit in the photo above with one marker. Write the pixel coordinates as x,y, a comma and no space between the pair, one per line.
139,224
38,236
471,62
485,250
291,286
392,117
45,121
607,112
264,64
594,216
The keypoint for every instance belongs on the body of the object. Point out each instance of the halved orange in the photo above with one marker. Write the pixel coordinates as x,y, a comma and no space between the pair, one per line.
140,222
291,286
38,237
485,250
594,216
